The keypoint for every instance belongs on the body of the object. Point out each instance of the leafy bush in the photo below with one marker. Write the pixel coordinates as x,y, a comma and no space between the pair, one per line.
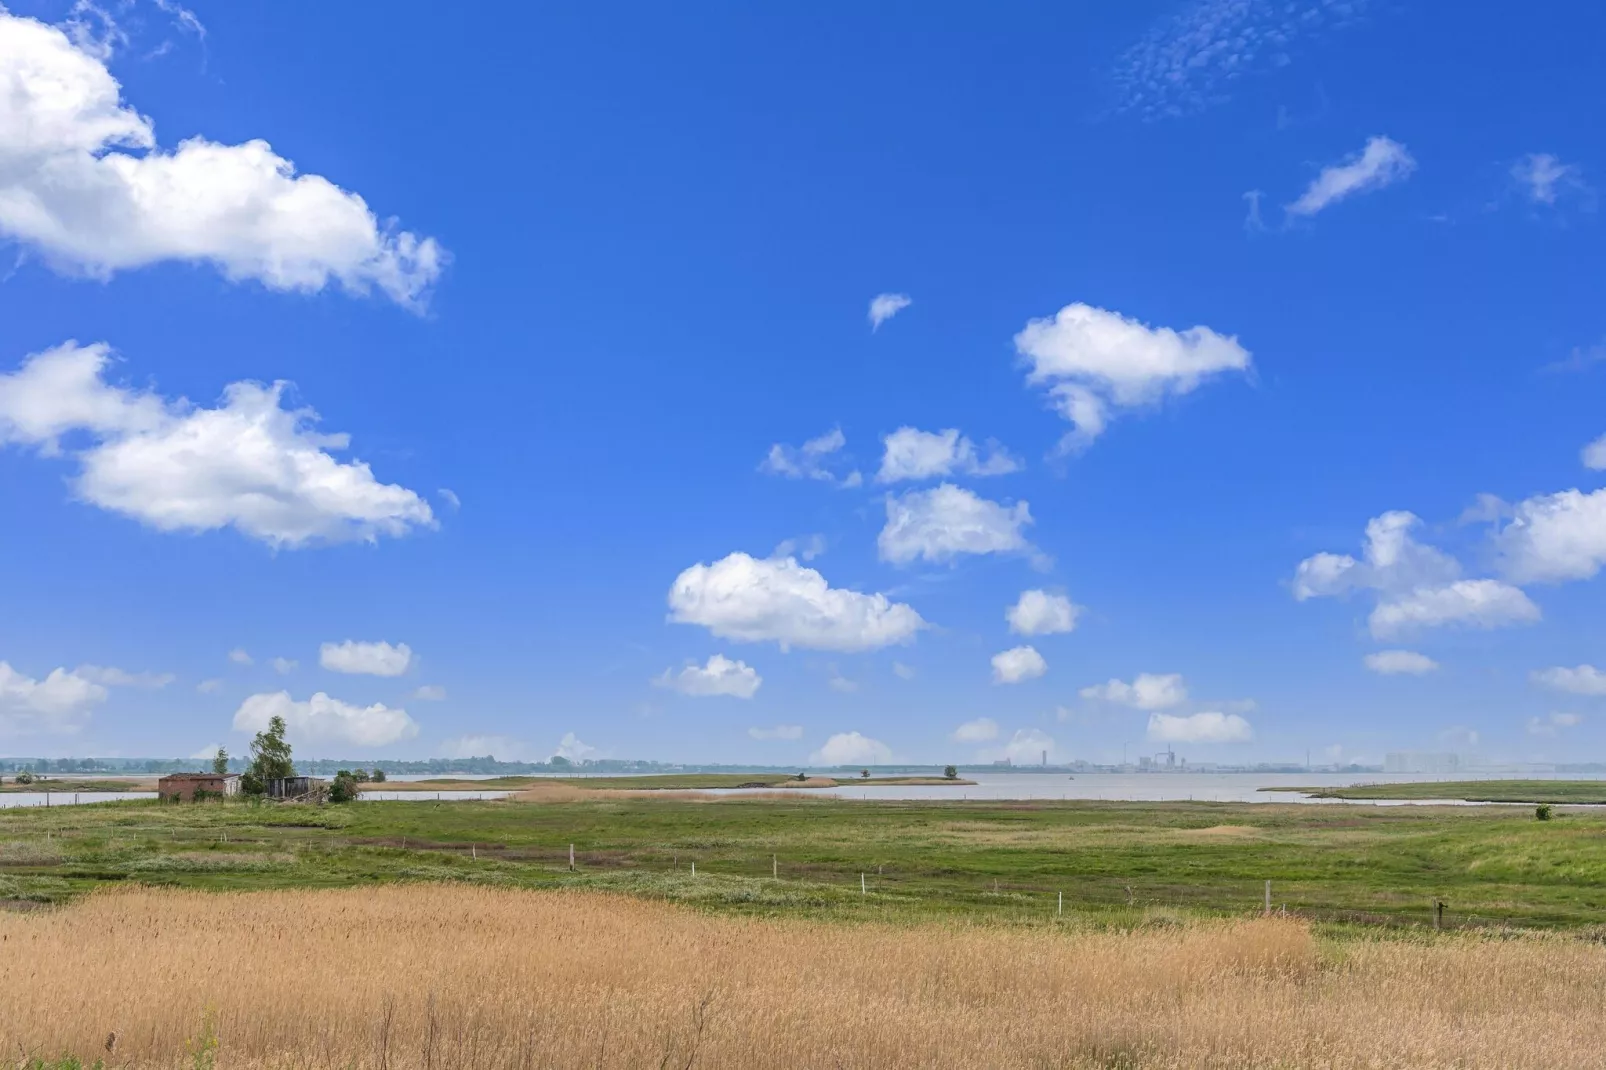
1543,811
345,787
951,772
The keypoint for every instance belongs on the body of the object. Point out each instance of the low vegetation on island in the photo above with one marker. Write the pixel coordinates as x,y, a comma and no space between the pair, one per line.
1577,792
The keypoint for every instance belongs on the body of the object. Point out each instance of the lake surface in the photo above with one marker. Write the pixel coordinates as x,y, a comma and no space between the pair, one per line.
1159,787
67,798
1114,787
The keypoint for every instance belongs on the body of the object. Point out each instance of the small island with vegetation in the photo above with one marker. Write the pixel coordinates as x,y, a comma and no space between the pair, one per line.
1574,792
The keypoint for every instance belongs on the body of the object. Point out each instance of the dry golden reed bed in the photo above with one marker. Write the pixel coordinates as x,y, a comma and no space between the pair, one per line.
449,977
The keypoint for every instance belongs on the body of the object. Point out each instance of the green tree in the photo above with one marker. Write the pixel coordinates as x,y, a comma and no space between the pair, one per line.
951,772
379,775
220,761
864,774
270,758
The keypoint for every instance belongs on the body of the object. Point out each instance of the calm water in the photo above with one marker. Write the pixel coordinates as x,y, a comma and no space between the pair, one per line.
59,798
1127,787
1154,787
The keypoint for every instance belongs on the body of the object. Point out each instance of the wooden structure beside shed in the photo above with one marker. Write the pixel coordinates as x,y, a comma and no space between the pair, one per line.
293,787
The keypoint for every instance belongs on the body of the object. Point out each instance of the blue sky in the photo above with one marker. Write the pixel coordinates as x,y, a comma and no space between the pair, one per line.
1231,387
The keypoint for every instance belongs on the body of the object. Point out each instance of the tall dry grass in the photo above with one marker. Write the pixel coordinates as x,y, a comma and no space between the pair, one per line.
449,977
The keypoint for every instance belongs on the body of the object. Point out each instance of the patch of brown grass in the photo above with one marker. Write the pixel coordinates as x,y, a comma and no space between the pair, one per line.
448,977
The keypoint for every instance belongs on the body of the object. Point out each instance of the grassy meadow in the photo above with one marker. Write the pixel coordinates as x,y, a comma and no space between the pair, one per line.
382,935
1583,792
1494,867
449,976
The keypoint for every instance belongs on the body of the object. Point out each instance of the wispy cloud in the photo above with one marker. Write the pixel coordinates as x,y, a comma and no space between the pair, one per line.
819,458
1190,60
1252,221
1382,162
884,306
1544,180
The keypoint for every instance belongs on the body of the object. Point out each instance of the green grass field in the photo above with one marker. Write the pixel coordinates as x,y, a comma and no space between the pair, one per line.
984,860
1509,791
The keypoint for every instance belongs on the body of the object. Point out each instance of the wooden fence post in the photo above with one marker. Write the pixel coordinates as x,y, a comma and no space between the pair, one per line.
1267,912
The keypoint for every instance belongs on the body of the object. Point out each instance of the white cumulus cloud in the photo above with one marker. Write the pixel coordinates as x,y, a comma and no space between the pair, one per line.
1417,586
939,524
248,463
1017,664
1554,537
240,656
1582,680
1040,613
751,600
574,748
59,703
780,731
1475,603
370,659
1208,727
84,183
322,719
284,666
1381,163
981,730
884,306
1093,362
1400,663
1148,691
720,676
430,693
851,748
910,453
